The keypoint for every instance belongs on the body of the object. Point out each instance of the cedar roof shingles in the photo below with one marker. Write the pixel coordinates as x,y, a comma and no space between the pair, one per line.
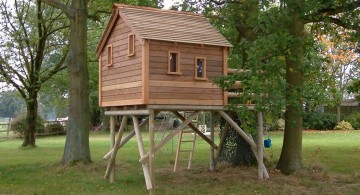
173,26
166,25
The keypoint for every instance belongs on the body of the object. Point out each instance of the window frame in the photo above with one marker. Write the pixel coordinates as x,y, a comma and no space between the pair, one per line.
204,76
131,53
177,72
109,55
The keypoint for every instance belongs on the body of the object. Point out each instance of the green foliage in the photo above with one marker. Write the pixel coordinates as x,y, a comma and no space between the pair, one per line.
54,128
354,120
344,125
19,124
10,104
319,121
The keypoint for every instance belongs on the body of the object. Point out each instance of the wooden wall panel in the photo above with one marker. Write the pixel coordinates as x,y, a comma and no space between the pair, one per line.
121,83
184,89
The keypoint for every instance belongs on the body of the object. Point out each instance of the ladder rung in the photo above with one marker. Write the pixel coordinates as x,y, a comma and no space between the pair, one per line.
183,160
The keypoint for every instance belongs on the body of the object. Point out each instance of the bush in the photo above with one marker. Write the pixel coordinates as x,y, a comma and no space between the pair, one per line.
18,125
354,120
343,125
54,128
319,121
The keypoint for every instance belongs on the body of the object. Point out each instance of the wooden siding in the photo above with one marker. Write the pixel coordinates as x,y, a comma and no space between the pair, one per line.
121,83
184,89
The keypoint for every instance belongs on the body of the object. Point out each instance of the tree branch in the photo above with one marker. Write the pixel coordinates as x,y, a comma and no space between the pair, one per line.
331,11
59,5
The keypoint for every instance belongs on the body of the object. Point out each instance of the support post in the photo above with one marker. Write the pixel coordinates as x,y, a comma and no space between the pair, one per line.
170,136
259,145
212,152
112,143
152,150
126,139
140,143
110,170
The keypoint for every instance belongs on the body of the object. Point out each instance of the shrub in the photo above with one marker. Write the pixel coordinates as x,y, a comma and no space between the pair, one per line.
344,125
354,120
319,121
18,125
54,127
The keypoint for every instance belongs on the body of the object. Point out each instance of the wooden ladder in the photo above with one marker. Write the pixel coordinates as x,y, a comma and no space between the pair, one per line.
189,138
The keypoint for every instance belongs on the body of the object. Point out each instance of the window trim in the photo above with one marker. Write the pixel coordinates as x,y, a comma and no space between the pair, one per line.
177,63
204,78
109,57
133,44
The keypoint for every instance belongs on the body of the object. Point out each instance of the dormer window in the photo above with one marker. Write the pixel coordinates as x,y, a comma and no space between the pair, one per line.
131,45
200,68
174,62
109,55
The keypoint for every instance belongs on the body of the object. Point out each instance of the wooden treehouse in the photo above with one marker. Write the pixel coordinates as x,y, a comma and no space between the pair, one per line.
153,60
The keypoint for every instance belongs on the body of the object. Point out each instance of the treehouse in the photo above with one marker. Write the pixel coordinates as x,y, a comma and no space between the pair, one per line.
153,60
150,56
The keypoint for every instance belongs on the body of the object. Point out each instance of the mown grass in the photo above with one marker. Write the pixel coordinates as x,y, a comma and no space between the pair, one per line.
332,159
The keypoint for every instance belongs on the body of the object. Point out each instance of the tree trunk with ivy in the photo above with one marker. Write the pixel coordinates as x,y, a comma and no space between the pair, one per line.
291,153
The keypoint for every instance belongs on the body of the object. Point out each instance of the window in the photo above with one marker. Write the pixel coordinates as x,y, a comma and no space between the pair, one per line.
174,63
109,55
200,68
131,45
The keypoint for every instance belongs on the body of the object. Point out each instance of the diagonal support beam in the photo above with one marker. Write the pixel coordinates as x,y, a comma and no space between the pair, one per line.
170,136
196,130
140,143
126,139
237,128
110,168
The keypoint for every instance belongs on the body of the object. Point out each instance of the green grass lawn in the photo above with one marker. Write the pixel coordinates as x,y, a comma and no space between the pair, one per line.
333,159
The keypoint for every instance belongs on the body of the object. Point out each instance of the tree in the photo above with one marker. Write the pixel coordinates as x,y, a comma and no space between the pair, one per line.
77,136
277,55
32,51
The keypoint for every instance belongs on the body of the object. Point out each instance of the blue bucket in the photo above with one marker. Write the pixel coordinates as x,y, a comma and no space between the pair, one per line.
267,143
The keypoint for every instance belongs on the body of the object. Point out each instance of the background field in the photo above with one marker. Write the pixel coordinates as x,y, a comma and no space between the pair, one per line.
332,160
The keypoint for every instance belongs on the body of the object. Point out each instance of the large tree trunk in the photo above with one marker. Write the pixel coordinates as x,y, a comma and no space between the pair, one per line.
291,153
77,135
338,112
31,115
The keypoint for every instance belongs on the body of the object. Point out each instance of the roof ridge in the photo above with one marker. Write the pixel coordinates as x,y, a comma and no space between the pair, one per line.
118,5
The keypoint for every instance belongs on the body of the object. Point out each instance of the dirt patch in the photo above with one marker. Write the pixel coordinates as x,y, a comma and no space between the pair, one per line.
315,180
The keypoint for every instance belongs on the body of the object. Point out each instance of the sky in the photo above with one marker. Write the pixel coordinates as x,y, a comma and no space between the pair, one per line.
168,3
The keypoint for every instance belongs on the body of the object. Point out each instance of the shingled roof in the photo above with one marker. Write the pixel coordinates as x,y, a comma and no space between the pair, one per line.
165,25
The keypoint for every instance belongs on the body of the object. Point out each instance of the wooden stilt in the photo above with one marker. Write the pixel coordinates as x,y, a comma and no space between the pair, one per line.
222,140
237,128
110,170
152,151
140,143
212,152
196,130
112,143
247,138
126,139
266,174
259,145
170,136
